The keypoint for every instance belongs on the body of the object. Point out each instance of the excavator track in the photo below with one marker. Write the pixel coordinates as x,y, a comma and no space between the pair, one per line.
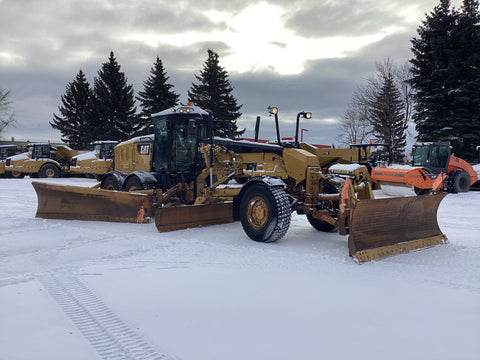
384,227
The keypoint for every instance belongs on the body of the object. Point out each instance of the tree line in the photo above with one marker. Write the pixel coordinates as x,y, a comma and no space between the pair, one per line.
438,89
108,111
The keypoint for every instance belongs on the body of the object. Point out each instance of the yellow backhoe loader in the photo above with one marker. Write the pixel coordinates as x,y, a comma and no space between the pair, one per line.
192,183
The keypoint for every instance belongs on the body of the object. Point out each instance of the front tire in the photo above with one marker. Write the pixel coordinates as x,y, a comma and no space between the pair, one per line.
320,225
458,181
14,175
49,171
265,213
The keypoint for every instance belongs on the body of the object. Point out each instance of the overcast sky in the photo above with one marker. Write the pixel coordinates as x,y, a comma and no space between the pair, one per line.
298,55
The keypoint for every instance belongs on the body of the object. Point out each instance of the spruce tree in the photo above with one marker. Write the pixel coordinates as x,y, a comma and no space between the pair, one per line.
388,119
157,94
446,78
466,96
114,104
214,93
75,119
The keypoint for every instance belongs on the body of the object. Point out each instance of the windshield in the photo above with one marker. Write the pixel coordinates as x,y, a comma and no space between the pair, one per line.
432,156
420,155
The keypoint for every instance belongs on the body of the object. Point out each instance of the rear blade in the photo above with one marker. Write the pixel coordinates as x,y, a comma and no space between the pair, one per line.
183,217
386,227
82,203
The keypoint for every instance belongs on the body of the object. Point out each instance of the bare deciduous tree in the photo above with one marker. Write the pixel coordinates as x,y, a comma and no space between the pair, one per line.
7,117
356,124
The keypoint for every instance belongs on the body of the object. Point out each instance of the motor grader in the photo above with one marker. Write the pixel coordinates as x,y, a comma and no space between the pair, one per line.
192,183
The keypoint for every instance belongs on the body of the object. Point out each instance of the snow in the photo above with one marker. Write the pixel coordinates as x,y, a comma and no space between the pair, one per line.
91,155
211,293
345,167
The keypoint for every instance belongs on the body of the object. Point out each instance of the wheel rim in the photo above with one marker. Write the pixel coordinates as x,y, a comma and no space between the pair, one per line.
109,187
257,212
50,173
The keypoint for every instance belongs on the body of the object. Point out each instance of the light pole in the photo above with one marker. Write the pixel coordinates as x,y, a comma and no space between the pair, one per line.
305,115
273,110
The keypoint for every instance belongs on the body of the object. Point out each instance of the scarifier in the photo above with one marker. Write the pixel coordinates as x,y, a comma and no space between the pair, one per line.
197,179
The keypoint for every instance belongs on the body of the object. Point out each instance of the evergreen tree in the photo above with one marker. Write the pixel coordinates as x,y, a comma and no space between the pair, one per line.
446,78
214,93
466,96
114,104
75,120
157,94
388,119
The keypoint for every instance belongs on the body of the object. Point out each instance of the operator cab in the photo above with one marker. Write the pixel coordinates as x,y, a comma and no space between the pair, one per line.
104,148
433,156
40,151
178,134
7,151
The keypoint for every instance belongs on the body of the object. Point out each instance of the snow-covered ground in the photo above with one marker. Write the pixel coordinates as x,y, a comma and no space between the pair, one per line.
92,290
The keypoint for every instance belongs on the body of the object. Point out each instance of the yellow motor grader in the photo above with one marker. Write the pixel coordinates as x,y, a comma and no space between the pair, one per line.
197,180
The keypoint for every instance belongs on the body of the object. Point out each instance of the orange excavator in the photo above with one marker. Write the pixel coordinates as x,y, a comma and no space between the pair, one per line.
434,167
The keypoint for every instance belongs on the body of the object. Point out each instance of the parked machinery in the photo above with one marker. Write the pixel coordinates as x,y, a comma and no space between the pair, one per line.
190,184
5,152
41,160
97,162
434,168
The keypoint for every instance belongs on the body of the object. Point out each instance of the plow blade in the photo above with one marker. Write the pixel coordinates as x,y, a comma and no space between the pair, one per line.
82,203
184,217
385,227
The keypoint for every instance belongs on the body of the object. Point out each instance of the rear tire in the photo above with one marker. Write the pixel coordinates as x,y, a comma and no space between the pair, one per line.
458,181
133,183
49,171
265,213
111,183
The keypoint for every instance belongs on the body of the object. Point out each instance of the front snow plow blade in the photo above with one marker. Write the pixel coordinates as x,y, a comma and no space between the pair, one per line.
190,216
385,227
83,203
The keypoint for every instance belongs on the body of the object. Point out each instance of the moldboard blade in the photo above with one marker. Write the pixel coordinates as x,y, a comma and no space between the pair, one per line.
390,226
183,217
82,203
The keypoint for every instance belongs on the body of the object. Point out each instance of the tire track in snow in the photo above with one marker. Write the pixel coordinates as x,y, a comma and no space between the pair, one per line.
111,337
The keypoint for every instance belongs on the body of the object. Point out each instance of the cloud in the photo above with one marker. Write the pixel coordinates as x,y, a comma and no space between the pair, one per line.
298,55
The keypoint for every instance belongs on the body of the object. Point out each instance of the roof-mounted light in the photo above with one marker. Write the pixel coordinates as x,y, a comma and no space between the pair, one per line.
273,110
